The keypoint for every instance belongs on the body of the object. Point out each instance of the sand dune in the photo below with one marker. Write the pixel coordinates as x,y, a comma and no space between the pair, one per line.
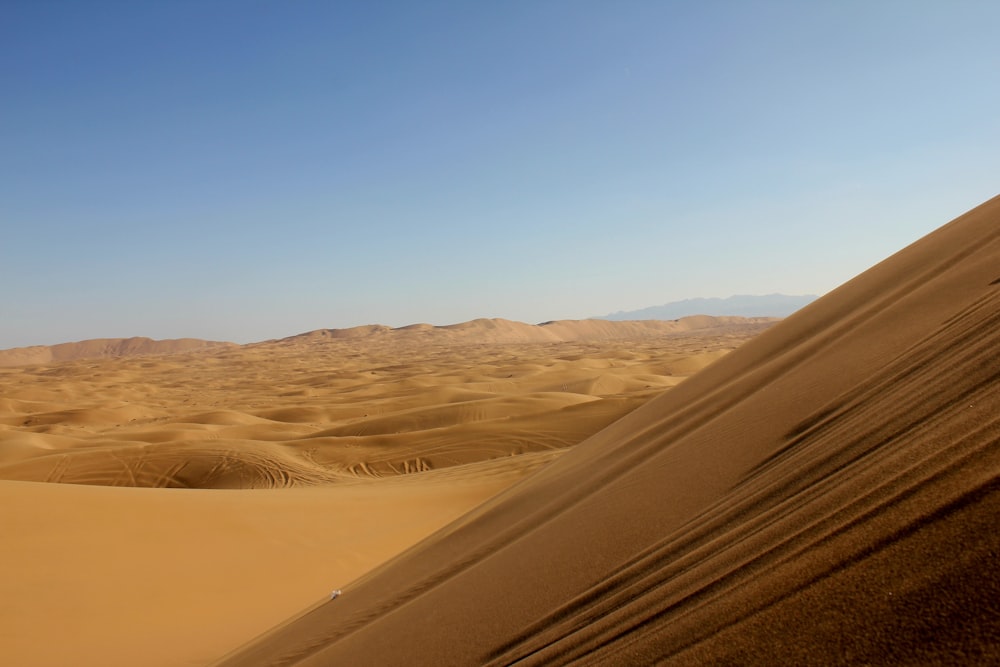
95,575
827,494
313,409
101,348
498,330
174,537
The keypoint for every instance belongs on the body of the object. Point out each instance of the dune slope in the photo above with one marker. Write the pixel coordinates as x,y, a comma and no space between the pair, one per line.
826,494
100,575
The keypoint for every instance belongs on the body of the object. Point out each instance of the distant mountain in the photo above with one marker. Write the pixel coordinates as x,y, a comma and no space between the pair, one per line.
746,305
102,348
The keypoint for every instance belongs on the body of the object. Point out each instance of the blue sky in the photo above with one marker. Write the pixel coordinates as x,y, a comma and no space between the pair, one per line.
255,169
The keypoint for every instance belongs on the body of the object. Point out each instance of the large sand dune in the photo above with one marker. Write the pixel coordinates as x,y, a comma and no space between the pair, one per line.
209,494
102,348
827,494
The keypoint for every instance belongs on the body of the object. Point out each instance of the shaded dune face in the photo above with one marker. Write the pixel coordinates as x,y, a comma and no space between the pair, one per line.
366,403
827,494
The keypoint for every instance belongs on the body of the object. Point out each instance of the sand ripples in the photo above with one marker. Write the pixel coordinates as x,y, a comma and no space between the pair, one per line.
320,409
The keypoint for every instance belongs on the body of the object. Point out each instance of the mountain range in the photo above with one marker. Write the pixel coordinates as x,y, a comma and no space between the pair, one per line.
746,305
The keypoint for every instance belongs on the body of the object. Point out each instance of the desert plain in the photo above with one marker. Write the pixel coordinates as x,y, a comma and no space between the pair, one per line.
165,502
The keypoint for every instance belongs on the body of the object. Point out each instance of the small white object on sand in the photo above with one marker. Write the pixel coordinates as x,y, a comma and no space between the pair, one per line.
334,595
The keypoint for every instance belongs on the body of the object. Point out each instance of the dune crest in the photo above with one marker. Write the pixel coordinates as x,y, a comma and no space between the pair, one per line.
826,494
102,348
498,330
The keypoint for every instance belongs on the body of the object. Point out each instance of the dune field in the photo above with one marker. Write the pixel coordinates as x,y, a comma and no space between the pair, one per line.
163,509
829,493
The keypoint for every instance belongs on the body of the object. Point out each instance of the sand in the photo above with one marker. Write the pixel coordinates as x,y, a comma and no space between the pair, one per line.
164,509
103,348
829,493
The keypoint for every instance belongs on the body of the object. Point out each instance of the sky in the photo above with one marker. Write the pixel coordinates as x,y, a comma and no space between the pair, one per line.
255,169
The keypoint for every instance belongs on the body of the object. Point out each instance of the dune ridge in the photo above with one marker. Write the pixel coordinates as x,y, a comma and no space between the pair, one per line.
499,330
102,348
826,494
483,330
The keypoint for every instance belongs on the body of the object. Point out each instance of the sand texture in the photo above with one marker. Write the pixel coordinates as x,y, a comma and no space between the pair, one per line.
163,509
826,494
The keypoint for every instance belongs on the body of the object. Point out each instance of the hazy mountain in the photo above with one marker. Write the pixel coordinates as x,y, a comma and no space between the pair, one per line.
746,305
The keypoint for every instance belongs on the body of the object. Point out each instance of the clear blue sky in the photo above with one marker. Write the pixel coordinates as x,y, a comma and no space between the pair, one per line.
255,169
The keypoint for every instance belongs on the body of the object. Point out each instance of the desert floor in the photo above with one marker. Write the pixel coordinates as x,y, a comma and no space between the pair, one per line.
163,510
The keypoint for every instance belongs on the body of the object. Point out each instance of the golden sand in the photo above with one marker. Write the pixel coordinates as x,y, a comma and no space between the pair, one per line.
163,510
